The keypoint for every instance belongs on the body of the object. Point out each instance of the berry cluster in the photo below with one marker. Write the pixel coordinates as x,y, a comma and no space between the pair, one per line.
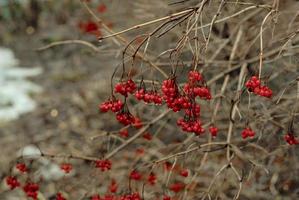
170,90
114,105
290,139
254,85
174,98
117,106
194,77
193,111
195,86
125,118
247,132
31,190
21,167
104,165
191,126
135,175
12,182
197,91
134,196
125,88
148,96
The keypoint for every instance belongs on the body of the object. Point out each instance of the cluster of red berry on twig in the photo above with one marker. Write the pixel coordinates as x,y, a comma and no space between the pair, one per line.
21,167
290,139
31,190
174,98
12,182
254,85
247,132
148,96
104,165
114,105
125,88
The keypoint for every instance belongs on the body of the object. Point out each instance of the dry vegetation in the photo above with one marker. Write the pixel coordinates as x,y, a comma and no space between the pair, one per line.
149,41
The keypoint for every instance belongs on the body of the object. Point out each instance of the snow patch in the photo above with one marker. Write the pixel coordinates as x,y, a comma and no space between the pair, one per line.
15,90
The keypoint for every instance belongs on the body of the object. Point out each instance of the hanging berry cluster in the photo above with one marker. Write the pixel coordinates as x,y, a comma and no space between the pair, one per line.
290,139
254,85
247,132
125,88
186,100
171,95
21,167
12,182
148,96
31,190
115,105
104,165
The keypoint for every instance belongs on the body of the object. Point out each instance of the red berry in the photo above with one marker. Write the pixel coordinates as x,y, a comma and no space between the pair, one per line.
177,187
140,151
167,166
59,196
135,175
166,198
184,173
147,136
102,8
152,178
124,133
137,123
213,130
95,197
66,167
113,186
290,139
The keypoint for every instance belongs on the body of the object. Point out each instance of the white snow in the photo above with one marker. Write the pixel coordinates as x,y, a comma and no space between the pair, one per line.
15,90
